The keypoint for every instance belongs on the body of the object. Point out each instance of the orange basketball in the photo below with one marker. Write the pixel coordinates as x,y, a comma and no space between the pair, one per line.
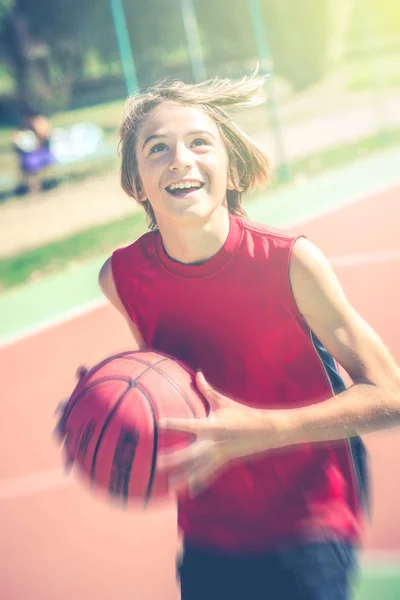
110,422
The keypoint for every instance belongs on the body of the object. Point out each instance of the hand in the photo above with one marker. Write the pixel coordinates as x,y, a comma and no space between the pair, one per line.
232,430
59,430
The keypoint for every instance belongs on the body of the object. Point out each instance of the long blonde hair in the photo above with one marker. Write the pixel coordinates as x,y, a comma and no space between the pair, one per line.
249,164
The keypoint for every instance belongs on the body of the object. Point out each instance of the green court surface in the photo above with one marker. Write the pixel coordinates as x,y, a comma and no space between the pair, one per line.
382,584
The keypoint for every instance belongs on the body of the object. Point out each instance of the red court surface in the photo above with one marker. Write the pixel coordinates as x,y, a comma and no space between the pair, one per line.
60,542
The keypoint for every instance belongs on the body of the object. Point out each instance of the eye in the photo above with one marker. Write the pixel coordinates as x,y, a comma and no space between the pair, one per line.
160,147
200,142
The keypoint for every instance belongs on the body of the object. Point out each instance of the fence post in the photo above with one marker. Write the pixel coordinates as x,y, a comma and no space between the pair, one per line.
193,40
376,79
124,46
267,69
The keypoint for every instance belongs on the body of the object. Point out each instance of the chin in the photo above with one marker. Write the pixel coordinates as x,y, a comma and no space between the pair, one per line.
196,210
191,213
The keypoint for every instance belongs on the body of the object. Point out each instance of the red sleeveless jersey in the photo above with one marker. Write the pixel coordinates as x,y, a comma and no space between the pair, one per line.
235,318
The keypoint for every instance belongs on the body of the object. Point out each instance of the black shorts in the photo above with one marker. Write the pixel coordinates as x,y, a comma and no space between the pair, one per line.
313,571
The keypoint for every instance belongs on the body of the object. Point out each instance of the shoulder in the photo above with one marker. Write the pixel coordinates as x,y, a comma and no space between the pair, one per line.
316,288
307,260
263,230
107,283
267,243
123,262
274,237
109,288
139,248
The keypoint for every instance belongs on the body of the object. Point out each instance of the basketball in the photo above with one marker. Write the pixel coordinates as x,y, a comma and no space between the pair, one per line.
110,422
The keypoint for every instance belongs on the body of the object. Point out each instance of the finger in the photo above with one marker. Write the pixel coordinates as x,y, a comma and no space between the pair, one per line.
202,478
68,459
81,372
214,398
59,410
177,482
59,429
181,459
58,434
68,464
189,477
198,450
195,426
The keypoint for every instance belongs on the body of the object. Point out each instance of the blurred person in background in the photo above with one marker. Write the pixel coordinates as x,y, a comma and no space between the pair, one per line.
31,142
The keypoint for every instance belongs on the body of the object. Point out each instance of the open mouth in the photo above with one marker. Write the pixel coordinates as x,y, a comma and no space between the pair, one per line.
183,188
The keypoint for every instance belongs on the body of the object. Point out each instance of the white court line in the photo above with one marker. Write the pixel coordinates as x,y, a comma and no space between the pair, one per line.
377,563
356,199
64,317
382,557
374,563
17,487
369,258
45,480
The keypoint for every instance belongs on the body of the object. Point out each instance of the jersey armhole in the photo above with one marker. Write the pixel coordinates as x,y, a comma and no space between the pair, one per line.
114,270
294,306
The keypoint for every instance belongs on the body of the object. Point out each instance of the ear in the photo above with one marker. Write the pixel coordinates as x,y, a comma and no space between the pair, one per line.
140,194
230,185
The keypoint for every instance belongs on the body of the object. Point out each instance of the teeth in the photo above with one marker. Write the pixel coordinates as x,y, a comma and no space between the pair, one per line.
184,185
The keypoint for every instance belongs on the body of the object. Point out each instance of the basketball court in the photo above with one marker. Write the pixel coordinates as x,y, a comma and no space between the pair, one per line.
60,542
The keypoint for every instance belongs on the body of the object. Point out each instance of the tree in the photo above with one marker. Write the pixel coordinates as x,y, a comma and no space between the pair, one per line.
45,44
42,46
304,37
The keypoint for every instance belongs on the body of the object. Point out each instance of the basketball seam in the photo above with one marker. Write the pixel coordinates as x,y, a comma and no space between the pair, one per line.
68,412
109,378
104,428
143,362
123,355
155,442
174,385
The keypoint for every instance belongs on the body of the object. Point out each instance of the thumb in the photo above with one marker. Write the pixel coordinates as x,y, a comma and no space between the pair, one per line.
214,398
81,372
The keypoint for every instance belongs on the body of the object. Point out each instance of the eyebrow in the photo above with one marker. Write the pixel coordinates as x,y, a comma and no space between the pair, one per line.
161,136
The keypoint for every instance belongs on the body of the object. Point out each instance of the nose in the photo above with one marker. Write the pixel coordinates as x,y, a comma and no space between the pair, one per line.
182,158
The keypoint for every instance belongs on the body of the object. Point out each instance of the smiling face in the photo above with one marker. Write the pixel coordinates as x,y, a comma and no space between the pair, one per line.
182,164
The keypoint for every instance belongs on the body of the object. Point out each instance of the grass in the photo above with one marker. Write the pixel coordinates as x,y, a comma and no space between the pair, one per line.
107,116
340,155
99,240
79,247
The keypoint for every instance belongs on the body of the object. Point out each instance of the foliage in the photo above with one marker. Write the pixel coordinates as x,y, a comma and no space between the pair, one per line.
50,46
304,38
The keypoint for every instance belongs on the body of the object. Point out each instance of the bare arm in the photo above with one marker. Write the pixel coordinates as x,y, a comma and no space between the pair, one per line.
107,285
373,402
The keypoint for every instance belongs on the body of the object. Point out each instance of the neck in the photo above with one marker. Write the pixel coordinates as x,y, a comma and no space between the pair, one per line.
197,242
